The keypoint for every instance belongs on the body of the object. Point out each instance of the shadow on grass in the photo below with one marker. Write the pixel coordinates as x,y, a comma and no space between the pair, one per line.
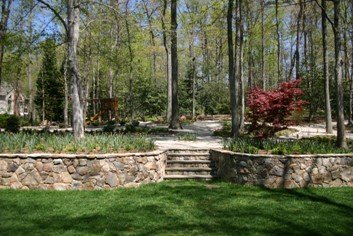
201,208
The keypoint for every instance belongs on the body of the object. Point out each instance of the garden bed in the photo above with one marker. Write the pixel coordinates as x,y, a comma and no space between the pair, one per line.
277,146
65,143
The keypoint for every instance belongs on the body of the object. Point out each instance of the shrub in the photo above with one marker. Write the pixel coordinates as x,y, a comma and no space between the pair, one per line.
12,124
135,123
129,128
95,123
225,131
109,128
122,122
187,137
274,106
3,120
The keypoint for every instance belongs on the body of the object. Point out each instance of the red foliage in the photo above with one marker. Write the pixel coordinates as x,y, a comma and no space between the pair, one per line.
276,105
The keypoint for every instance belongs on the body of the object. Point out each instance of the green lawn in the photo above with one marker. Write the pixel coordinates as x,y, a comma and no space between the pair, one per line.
183,208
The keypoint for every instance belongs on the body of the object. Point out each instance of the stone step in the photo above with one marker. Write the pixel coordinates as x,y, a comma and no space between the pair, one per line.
205,177
190,154
188,157
188,173
172,151
189,161
188,169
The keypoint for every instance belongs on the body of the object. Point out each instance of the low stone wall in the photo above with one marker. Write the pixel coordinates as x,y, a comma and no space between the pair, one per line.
64,172
293,171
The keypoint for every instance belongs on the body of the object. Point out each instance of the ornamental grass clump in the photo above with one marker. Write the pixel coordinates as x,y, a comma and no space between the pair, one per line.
65,143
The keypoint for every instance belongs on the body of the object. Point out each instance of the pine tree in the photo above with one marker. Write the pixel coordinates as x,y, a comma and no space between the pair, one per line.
49,98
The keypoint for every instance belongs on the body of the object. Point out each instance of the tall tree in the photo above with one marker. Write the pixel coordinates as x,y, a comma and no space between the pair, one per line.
174,54
341,136
240,44
278,38
231,70
50,88
169,63
263,79
73,27
328,118
5,13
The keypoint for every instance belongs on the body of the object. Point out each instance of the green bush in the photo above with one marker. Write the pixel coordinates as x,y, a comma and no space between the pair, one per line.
3,120
12,124
109,128
225,131
122,122
95,123
187,137
129,128
135,123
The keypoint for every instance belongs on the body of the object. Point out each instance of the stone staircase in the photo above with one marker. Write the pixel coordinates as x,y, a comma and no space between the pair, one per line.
189,164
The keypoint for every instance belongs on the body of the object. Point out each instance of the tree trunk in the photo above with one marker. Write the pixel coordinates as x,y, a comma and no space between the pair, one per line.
351,76
231,70
240,68
73,15
131,58
346,57
341,136
328,119
5,13
193,69
278,38
31,109
66,92
169,63
174,54
297,54
152,40
16,102
263,45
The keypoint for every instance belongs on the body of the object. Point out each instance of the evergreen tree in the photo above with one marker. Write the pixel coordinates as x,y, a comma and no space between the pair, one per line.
49,98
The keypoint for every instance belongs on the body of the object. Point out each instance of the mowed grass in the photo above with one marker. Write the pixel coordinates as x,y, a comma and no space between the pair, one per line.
179,208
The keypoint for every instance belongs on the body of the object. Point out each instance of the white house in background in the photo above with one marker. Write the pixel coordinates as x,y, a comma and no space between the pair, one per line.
7,104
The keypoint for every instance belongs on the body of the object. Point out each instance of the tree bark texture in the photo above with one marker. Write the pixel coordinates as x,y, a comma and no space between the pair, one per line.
341,136
231,70
73,20
174,60
328,118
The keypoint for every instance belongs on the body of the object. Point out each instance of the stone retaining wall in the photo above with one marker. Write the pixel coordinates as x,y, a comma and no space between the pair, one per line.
69,171
275,171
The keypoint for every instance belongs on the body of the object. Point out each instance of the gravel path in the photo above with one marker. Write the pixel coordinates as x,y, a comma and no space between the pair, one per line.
316,130
204,137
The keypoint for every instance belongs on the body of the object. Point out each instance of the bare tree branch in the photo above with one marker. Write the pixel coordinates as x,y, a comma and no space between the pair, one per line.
326,16
56,13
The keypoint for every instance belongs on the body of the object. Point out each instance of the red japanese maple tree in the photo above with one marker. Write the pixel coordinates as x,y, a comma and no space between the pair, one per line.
276,105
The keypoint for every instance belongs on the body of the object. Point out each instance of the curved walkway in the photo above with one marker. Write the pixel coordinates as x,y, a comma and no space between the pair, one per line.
204,137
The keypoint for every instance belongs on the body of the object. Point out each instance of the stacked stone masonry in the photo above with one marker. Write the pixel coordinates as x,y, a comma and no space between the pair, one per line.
108,171
295,171
65,172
